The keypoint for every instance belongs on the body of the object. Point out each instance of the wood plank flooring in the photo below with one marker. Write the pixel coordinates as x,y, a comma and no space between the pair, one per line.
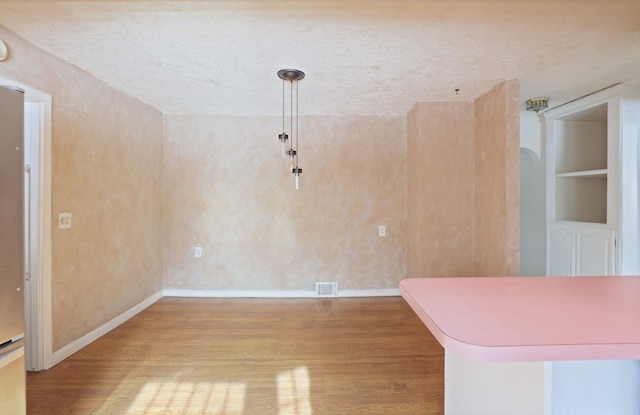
252,356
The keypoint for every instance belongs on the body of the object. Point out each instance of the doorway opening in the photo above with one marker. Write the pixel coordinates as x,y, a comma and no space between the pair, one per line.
37,285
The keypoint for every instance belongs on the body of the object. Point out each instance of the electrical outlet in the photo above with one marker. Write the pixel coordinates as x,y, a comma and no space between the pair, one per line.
382,230
64,220
197,252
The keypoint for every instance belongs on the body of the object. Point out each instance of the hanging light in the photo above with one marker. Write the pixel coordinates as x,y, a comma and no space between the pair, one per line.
297,176
291,149
291,158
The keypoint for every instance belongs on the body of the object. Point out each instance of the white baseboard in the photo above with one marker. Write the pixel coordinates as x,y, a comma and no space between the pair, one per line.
88,338
176,292
375,292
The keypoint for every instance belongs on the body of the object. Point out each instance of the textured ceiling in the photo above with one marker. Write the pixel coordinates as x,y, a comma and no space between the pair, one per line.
360,57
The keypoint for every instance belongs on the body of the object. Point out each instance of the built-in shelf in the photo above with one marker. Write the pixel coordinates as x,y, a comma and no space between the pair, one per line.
581,223
579,143
592,179
587,174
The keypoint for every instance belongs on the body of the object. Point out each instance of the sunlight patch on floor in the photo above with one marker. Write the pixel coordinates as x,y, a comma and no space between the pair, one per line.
293,392
220,398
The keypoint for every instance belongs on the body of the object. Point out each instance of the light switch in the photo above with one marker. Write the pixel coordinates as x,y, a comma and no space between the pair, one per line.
64,220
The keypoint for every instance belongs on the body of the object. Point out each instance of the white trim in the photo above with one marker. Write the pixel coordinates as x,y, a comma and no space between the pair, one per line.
88,338
43,307
374,292
178,292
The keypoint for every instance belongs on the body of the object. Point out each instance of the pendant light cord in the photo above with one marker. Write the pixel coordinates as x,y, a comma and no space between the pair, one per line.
291,113
297,115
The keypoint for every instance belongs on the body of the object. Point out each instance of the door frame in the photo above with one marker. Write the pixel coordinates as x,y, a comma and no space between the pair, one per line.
39,339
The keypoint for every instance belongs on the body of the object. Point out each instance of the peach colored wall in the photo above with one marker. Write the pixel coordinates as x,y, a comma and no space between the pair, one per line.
440,189
463,179
497,182
107,171
227,189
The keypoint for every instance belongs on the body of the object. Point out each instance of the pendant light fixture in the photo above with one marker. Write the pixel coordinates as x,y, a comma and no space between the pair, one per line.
291,148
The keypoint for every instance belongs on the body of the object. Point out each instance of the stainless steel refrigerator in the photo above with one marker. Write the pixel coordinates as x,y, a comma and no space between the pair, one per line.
12,366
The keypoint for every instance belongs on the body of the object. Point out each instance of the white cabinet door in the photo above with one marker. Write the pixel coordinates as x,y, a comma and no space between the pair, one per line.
594,251
560,250
580,250
13,383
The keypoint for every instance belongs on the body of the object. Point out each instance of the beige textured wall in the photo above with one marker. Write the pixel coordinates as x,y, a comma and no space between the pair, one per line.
440,182
227,189
107,171
497,182
463,179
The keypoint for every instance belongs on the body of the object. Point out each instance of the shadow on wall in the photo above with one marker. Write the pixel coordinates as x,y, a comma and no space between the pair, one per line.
532,214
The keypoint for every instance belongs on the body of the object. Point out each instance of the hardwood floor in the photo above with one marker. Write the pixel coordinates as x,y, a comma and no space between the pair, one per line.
252,356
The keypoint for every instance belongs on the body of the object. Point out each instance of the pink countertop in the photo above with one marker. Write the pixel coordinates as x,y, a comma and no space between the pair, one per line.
530,318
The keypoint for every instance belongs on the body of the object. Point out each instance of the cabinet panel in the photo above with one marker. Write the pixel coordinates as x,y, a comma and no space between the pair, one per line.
580,250
594,251
559,250
13,383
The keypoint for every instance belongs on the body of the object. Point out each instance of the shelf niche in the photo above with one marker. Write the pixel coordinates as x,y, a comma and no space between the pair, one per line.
581,166
581,199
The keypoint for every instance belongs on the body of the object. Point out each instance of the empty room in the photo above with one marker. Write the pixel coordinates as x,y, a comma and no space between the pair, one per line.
229,207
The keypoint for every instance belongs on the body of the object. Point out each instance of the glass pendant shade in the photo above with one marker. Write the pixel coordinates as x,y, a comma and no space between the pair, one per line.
297,175
284,137
291,158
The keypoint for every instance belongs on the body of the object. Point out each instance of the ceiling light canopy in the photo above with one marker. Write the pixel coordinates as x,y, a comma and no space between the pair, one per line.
537,104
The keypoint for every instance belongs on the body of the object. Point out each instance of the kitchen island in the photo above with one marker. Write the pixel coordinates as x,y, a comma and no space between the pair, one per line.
534,345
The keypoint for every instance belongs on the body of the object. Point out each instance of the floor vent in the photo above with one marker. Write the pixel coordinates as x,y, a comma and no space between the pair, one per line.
327,289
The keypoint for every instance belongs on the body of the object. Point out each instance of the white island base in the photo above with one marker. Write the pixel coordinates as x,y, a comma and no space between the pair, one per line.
597,387
488,388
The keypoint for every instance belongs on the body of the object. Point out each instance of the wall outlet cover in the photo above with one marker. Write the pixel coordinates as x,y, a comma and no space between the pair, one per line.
64,220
